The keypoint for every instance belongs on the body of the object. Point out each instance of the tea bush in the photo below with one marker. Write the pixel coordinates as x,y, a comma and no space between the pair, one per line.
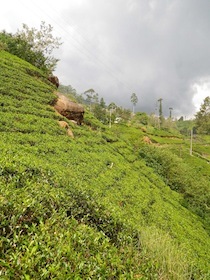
88,207
180,177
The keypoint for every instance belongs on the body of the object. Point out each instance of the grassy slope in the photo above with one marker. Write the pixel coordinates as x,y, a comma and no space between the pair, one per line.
88,206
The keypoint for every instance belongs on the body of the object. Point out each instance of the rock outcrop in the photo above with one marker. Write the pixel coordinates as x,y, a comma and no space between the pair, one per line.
69,109
65,125
54,80
147,140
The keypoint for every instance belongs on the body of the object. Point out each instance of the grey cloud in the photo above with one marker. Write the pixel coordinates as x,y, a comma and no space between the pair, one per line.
153,48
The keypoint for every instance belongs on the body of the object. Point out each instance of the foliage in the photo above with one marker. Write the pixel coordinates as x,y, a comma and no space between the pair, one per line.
67,89
32,45
134,100
180,177
123,114
161,118
88,207
102,103
71,93
202,118
185,126
100,113
92,96
140,118
23,49
41,42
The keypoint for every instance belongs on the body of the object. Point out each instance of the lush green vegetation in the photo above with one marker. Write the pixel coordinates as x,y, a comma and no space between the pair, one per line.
99,206
202,120
32,45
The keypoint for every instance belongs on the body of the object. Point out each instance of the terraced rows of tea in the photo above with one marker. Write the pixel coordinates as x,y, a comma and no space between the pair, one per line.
90,207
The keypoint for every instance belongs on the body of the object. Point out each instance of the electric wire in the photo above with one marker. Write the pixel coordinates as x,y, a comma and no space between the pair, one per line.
82,48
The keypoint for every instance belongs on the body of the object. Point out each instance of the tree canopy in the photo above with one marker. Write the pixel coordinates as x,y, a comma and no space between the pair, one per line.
134,100
202,118
33,45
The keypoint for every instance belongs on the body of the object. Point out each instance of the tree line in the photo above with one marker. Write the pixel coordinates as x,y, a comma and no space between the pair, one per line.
105,113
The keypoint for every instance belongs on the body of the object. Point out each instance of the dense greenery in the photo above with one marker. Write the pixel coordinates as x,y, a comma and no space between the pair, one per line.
98,206
185,180
202,120
32,45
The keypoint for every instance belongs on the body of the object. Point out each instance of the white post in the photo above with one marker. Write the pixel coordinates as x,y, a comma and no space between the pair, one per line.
110,118
191,140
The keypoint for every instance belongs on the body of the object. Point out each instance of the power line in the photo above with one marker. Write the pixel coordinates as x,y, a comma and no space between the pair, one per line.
82,48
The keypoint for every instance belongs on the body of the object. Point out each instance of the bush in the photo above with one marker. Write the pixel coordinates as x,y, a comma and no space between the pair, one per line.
180,177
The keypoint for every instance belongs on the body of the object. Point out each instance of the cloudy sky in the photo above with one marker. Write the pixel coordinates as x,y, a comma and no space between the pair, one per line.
155,48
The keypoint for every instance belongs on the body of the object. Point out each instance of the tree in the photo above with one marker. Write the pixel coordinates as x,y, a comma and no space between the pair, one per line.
3,40
67,89
15,45
202,118
100,113
32,45
102,103
123,114
134,100
141,118
91,95
112,106
99,110
41,42
161,118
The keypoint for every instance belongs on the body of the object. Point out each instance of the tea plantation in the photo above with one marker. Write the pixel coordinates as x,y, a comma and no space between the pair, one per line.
101,205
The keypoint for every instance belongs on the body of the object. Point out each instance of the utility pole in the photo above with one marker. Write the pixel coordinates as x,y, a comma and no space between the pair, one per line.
110,117
111,108
191,141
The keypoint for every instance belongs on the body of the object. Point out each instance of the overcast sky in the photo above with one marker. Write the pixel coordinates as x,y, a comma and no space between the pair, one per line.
155,48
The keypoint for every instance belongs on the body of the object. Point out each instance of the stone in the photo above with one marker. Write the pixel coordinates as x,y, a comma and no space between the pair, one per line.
65,125
147,140
69,109
70,133
54,80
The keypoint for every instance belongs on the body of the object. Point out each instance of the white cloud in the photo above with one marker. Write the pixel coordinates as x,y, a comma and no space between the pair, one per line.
202,90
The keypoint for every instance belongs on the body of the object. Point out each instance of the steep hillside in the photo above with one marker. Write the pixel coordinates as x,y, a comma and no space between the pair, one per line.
88,207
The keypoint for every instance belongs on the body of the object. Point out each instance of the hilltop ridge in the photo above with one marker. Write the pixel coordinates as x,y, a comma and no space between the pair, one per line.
96,206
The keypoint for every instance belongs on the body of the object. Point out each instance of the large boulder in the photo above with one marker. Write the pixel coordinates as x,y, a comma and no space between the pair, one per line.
54,80
69,109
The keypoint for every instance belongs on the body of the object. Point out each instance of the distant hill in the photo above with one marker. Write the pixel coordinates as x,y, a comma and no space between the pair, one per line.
110,203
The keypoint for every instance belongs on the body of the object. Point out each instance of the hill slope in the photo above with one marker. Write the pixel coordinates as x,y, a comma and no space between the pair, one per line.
88,207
